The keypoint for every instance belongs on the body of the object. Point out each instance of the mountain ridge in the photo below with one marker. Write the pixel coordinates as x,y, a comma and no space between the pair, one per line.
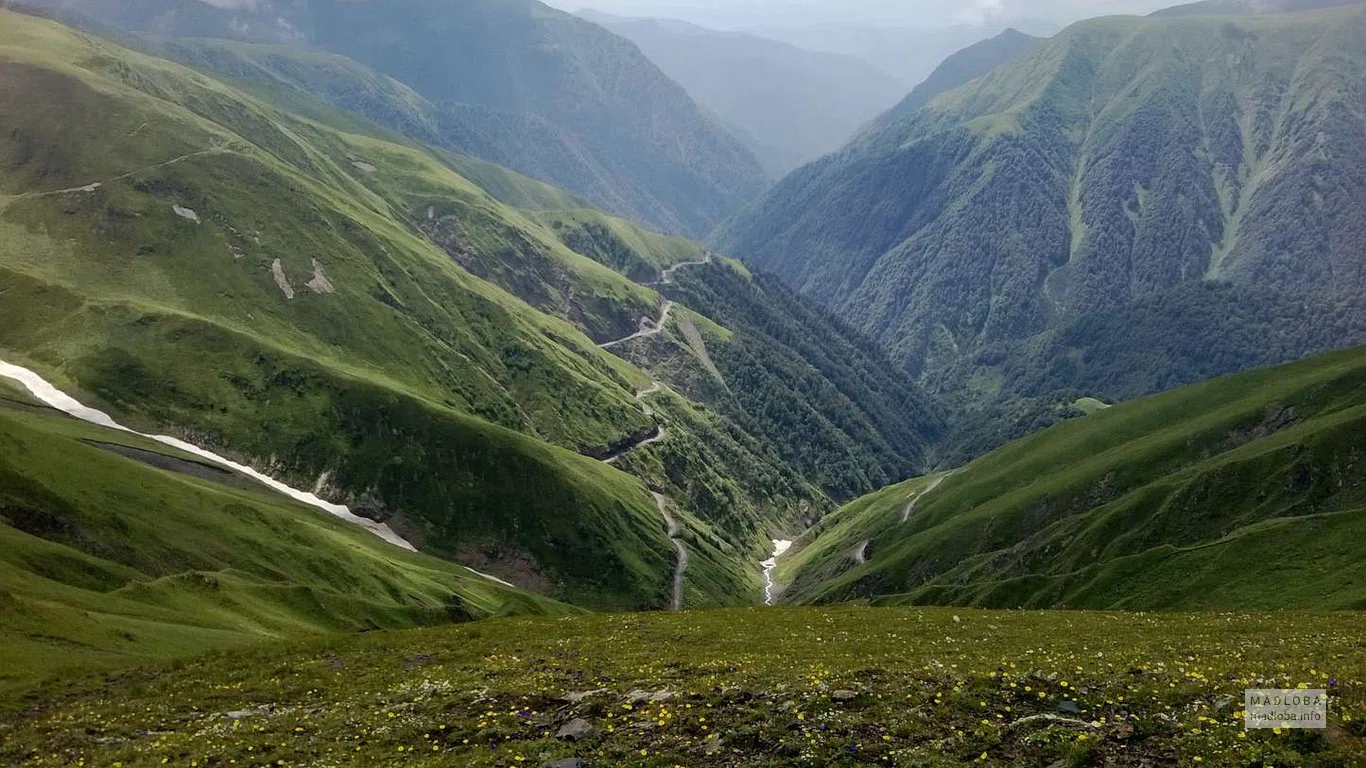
512,81
1090,153
794,105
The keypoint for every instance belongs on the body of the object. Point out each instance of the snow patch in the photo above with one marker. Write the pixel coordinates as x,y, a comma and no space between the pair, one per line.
63,402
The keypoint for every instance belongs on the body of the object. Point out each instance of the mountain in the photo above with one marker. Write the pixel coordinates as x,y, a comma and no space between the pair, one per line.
795,104
1237,7
959,69
511,81
155,553
909,54
461,352
1157,503
1136,204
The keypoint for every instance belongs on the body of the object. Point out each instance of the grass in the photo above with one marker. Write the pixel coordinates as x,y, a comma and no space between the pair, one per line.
154,554
1245,491
777,687
411,363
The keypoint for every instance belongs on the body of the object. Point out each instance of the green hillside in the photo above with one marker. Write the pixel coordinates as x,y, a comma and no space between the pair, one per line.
290,316
156,554
767,688
513,82
1244,492
299,289
1136,204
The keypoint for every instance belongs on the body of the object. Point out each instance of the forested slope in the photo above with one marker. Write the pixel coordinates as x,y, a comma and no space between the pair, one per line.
1137,203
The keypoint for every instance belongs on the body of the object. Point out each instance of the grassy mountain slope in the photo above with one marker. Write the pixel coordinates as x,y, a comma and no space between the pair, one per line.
1243,492
511,81
766,688
292,315
305,292
1131,162
795,104
154,554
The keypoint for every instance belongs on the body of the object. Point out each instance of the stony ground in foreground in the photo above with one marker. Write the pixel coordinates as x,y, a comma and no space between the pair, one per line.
776,687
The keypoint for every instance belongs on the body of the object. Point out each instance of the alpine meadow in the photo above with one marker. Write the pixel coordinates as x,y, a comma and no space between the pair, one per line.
660,383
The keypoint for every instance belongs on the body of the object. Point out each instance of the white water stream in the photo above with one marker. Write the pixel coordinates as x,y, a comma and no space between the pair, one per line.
769,565
44,391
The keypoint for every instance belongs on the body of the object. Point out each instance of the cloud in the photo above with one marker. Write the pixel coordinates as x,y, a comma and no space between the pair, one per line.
981,12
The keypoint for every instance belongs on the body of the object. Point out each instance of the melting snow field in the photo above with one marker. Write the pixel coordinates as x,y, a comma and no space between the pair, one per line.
44,391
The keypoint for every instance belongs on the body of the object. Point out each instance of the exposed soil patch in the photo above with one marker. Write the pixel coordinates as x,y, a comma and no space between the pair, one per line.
277,270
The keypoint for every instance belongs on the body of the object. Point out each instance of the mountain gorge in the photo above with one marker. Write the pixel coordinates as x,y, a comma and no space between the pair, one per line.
1108,216
513,82
307,293
367,398
791,105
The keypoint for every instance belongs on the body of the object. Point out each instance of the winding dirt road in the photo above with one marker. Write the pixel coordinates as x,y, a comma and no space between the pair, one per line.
667,276
648,327
676,604
910,505
651,327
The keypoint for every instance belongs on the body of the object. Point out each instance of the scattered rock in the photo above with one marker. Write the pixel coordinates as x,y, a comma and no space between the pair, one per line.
320,284
640,697
235,252
568,762
185,213
420,660
1069,708
844,695
278,270
712,745
242,714
574,730
1122,731
363,167
577,696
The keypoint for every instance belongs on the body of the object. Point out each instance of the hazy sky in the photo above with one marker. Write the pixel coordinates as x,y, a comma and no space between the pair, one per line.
731,14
